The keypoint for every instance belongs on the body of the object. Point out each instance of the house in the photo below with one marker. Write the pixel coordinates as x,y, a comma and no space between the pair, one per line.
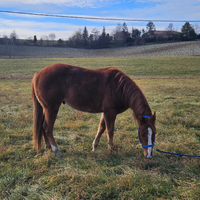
165,34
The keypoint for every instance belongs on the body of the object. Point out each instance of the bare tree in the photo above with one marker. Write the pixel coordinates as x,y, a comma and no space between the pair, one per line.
117,34
196,28
52,37
8,47
170,29
95,33
44,40
9,43
14,36
76,39
29,39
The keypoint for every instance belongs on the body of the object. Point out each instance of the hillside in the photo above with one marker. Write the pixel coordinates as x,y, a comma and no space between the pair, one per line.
169,49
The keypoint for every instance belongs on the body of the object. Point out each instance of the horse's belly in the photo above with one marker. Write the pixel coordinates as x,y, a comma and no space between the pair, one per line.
90,107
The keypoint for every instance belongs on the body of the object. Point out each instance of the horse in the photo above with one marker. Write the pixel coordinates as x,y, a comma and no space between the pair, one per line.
107,90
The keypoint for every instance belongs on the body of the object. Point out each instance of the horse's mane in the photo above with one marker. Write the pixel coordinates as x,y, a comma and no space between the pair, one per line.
132,95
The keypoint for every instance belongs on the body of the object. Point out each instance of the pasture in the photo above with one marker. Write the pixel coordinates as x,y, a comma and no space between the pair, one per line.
171,86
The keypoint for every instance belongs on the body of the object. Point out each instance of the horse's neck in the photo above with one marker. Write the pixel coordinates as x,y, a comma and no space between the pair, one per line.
139,104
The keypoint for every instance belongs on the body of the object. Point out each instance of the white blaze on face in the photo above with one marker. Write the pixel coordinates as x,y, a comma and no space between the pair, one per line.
149,142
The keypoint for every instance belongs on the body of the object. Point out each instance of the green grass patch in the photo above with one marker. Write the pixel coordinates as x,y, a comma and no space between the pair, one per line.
171,86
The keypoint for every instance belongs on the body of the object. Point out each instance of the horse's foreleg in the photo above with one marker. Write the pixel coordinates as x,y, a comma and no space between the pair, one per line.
49,120
110,117
100,131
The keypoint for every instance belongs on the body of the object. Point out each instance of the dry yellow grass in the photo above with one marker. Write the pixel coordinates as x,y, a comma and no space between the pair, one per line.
171,85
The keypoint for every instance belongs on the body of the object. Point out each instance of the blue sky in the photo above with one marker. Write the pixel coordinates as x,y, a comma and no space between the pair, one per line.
27,26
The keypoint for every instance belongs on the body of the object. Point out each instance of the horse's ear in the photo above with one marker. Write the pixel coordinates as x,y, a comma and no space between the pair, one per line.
153,117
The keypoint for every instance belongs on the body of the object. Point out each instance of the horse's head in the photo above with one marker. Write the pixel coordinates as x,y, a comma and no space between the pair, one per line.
146,133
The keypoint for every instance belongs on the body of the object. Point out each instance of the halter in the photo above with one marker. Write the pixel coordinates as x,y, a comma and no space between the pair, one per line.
140,140
177,154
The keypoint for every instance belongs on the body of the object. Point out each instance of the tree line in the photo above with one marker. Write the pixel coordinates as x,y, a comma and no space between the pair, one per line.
120,36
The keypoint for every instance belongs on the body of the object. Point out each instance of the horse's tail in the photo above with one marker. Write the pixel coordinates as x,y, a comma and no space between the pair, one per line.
38,120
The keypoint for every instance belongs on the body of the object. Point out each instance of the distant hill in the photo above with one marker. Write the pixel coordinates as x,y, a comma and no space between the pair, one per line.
168,49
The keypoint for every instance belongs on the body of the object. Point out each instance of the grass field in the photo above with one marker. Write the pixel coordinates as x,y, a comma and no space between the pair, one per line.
172,88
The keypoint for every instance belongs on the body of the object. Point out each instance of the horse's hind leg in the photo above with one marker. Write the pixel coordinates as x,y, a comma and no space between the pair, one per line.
100,131
48,145
49,120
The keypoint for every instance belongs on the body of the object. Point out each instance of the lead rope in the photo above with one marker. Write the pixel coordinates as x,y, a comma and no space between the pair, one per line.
166,152
177,154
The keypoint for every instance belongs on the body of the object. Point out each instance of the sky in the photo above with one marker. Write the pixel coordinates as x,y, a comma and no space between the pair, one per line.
26,26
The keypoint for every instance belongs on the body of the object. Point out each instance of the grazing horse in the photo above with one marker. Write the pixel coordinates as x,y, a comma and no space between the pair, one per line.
108,91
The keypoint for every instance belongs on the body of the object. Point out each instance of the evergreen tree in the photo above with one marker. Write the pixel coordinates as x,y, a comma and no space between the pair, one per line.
35,39
103,32
85,37
85,34
104,40
124,27
188,32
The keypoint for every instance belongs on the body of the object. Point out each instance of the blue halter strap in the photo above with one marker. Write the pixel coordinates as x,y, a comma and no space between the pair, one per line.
140,140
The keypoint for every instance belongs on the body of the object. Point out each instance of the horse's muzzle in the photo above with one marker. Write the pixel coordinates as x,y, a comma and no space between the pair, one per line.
149,156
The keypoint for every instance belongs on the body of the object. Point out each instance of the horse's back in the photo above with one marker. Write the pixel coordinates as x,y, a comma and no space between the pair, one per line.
90,90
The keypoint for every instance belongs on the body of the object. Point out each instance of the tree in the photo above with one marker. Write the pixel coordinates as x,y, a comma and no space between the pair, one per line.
85,37
35,39
8,49
104,40
95,34
117,34
125,34
60,42
149,35
93,38
151,27
85,34
13,37
125,27
196,28
187,32
76,39
135,33
52,37
103,32
170,30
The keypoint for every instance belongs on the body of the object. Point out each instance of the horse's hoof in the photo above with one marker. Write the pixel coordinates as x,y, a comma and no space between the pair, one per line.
58,154
94,149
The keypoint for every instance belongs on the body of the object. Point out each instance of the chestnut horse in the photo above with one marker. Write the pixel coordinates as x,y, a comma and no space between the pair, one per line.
108,91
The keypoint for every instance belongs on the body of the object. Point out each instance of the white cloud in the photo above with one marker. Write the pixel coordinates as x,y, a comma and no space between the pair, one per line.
148,1
26,29
168,10
66,3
